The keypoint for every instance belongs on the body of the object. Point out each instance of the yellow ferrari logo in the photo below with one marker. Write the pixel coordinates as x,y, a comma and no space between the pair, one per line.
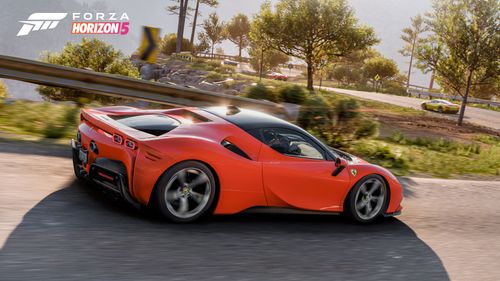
354,172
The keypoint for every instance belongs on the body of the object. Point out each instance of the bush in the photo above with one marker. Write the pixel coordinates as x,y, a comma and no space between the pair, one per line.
292,94
367,128
395,88
40,119
382,155
3,90
214,76
169,42
347,109
315,112
261,92
89,53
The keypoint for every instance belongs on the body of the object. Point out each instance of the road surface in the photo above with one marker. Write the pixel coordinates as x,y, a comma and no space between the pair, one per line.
53,228
478,116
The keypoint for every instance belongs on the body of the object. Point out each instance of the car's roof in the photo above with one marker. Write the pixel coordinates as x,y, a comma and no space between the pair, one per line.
443,101
248,119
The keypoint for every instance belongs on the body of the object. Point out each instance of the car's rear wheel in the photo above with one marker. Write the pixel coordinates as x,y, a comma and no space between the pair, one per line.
186,192
367,200
440,109
424,106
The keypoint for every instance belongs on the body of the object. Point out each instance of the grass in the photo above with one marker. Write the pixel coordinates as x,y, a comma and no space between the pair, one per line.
484,106
446,158
40,119
404,159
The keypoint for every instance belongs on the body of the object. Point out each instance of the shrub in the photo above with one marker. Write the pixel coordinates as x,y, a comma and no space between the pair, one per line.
367,128
293,94
54,131
315,112
39,118
347,109
3,90
383,156
169,43
89,53
214,76
261,92
395,88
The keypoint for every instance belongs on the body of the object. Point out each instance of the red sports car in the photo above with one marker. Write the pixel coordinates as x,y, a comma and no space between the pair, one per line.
191,162
277,76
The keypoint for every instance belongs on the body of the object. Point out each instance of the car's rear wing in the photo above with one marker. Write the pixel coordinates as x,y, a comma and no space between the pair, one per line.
101,121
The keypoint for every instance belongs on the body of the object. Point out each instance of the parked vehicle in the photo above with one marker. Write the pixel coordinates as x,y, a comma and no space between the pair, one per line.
441,106
277,76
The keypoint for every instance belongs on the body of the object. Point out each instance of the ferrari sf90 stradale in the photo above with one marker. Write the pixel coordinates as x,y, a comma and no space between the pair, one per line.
192,162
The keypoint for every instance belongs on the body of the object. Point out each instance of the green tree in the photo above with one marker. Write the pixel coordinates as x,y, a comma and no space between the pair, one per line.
309,29
410,36
91,54
379,70
203,44
345,74
169,42
270,58
3,90
463,48
187,11
237,31
348,69
214,30
209,3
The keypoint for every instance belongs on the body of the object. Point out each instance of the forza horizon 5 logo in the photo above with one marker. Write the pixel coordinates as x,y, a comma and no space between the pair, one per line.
83,23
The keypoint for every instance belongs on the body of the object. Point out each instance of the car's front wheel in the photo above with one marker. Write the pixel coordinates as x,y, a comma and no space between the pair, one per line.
367,200
186,192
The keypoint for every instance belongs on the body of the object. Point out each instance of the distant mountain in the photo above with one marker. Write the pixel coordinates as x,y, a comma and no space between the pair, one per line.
388,17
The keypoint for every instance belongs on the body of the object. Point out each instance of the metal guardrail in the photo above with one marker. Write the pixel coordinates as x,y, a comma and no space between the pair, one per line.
121,86
221,57
419,94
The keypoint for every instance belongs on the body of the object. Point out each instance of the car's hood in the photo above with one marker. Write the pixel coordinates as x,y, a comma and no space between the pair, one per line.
347,156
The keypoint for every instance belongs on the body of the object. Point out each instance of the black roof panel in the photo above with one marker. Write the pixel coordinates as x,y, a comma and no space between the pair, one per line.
249,119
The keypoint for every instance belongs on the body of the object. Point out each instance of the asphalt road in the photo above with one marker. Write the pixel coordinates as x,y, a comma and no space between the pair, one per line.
53,228
478,116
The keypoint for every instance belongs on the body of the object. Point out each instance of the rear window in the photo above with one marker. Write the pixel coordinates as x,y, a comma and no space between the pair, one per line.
154,124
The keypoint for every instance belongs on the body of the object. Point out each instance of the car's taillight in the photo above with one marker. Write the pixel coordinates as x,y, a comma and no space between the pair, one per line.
118,139
130,144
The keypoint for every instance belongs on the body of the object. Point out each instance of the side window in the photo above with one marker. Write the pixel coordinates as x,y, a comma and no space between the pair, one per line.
290,143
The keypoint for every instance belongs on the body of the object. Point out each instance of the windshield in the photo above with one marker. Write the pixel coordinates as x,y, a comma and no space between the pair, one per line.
444,101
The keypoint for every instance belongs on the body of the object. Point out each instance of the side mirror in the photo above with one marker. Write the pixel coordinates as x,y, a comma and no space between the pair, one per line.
340,164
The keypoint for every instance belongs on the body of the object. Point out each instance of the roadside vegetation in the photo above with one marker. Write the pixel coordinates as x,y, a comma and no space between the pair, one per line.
90,54
41,119
3,90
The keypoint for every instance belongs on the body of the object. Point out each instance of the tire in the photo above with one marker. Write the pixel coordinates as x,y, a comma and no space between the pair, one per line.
186,192
440,109
424,106
361,197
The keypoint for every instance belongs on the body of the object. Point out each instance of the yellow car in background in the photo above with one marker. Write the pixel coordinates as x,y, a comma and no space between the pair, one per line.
441,106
